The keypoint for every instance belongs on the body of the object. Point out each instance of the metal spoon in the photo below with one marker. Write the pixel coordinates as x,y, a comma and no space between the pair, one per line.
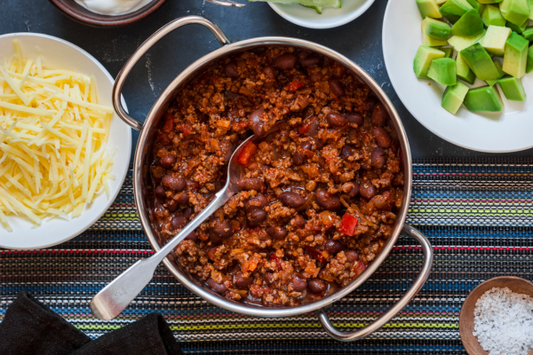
227,3
116,296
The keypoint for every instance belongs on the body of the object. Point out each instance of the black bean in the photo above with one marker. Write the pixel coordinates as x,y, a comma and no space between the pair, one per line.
231,70
313,127
256,121
292,199
181,198
382,137
168,161
256,216
310,60
302,54
327,201
160,191
367,190
348,151
306,145
298,158
218,288
269,278
336,87
192,185
271,77
285,61
378,158
298,221
256,184
332,246
317,286
299,283
379,116
172,206
188,212
258,201
241,282
192,236
178,222
351,255
220,230
174,182
336,119
354,117
351,188
277,232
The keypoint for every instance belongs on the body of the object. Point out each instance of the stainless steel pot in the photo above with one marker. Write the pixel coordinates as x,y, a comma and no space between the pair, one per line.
141,175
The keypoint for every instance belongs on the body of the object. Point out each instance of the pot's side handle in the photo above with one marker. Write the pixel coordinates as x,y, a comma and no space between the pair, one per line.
378,323
153,39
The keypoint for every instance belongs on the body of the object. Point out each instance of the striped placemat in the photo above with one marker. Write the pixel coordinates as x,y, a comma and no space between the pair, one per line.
477,214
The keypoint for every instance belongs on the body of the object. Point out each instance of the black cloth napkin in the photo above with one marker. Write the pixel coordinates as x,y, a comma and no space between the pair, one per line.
30,328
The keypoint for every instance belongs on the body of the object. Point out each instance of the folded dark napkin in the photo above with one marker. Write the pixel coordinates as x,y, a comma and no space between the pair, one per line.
31,328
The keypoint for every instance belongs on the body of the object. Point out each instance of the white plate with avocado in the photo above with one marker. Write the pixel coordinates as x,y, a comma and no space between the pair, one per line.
329,18
510,130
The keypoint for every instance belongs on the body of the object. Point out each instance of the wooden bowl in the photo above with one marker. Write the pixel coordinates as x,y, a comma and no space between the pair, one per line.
466,317
80,14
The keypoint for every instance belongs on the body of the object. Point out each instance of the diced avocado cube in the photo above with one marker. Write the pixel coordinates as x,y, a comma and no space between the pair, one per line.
442,70
428,8
423,58
453,97
495,38
515,55
484,99
480,62
517,29
459,43
491,82
440,2
454,9
528,34
489,1
476,5
512,89
529,66
530,3
492,16
463,70
499,68
470,24
436,29
432,42
448,52
515,11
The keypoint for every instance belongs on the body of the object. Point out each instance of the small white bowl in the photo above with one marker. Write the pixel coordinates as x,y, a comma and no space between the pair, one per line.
58,53
330,17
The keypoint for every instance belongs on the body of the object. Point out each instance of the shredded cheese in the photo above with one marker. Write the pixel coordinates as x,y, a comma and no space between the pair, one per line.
53,154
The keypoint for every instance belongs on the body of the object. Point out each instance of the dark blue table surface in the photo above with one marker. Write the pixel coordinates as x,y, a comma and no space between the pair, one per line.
359,40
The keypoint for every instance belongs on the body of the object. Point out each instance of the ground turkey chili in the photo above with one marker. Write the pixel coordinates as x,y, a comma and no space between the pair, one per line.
319,196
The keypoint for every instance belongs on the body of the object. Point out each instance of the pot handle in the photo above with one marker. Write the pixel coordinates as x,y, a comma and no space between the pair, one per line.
153,39
415,287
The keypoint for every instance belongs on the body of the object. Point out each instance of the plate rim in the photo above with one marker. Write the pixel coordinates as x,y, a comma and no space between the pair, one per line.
309,24
119,178
401,96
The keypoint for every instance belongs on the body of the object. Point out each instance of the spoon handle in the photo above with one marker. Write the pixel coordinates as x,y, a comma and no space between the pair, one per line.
118,294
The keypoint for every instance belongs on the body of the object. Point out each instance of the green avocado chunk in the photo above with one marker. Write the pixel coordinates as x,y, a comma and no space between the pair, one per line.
517,29
436,29
489,1
442,70
459,43
423,58
470,24
515,11
454,9
528,34
492,16
529,66
495,38
499,68
515,55
428,8
448,52
453,97
463,70
484,99
480,62
512,89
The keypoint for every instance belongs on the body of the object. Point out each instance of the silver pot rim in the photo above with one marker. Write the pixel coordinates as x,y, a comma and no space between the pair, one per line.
157,112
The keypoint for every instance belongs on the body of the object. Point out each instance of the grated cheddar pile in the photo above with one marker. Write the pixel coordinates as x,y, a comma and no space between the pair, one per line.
53,134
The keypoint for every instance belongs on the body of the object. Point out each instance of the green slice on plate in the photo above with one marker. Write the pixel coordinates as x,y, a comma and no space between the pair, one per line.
317,5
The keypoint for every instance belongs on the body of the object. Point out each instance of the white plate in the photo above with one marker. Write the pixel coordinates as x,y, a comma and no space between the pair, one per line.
58,53
330,17
508,131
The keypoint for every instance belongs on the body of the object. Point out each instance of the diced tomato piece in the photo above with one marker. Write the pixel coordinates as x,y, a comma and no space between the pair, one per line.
294,85
359,267
168,123
348,224
274,257
304,129
185,129
247,153
316,254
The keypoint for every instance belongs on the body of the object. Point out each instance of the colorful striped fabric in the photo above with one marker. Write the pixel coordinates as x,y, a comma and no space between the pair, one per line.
478,216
